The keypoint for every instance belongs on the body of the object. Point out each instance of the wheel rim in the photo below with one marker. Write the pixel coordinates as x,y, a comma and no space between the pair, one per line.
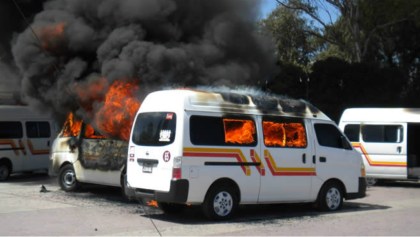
371,181
223,204
333,198
69,179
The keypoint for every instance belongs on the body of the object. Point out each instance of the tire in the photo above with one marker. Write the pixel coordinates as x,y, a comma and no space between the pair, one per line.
220,203
171,208
371,181
330,197
67,178
4,172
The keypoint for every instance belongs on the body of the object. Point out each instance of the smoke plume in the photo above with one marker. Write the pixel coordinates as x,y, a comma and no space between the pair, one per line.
75,50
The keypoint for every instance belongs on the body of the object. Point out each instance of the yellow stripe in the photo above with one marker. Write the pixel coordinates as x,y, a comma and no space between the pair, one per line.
286,169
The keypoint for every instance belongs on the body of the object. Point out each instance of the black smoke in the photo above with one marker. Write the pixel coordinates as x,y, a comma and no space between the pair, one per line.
158,43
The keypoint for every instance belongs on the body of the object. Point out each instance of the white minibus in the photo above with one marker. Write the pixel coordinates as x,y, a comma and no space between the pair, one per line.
388,140
80,155
222,149
25,139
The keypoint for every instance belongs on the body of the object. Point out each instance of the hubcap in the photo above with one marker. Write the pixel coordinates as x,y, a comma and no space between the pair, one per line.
333,198
69,179
223,204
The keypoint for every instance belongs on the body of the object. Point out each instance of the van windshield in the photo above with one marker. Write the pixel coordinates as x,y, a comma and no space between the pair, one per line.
154,129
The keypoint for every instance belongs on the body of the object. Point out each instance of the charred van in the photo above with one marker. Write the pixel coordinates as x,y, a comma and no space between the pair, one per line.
80,155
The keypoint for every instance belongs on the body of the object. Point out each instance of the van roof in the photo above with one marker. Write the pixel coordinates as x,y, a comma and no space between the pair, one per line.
9,112
381,115
242,102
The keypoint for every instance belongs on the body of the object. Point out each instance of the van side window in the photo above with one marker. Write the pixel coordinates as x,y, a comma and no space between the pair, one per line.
217,131
352,132
38,129
11,130
328,135
154,129
284,132
382,133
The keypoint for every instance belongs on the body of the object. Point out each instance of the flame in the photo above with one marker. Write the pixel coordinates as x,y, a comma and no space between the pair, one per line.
52,36
284,134
152,203
239,131
73,126
120,106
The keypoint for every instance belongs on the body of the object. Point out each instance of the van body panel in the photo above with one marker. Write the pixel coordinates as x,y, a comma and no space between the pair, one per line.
386,139
25,138
95,160
275,159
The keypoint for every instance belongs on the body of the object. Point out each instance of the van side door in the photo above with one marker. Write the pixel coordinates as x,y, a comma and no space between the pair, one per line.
38,141
384,149
335,158
287,153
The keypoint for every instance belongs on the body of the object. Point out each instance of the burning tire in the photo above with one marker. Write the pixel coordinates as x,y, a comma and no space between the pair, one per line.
330,197
220,203
67,178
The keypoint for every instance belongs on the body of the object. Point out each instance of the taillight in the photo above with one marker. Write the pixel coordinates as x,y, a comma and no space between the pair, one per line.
131,153
176,170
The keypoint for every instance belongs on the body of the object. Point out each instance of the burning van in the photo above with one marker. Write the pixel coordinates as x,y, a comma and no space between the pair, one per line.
80,155
219,150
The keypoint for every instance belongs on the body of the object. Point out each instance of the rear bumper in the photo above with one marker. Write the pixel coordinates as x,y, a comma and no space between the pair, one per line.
178,192
361,192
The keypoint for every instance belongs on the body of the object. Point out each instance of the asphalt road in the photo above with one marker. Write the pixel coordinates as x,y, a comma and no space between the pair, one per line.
389,209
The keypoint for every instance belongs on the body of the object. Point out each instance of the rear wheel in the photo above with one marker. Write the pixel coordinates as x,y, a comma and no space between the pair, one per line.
371,181
220,203
67,178
4,171
330,197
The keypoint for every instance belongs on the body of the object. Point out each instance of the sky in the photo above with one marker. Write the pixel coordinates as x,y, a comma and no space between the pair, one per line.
267,7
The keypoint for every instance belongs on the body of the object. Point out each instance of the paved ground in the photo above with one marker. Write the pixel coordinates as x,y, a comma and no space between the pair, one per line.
391,209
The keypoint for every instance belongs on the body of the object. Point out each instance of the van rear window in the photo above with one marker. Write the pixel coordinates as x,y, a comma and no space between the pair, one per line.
222,131
154,129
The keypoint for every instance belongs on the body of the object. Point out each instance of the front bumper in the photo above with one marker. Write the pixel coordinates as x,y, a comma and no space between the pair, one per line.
361,192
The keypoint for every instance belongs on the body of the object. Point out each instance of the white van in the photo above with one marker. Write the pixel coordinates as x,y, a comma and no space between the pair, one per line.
219,150
25,139
80,155
388,140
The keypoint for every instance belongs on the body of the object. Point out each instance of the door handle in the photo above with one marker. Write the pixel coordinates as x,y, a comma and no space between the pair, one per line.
304,158
314,159
322,159
399,149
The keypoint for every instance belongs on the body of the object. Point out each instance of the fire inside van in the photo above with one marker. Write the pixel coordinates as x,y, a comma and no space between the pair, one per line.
219,150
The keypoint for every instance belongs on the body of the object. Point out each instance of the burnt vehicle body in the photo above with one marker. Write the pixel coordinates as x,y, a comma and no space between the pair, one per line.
80,155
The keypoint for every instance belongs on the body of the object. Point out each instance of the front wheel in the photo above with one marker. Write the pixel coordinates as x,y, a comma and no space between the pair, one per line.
4,172
67,178
220,203
330,197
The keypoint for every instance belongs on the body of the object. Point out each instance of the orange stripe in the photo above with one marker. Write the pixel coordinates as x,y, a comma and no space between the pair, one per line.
286,171
37,152
365,154
218,153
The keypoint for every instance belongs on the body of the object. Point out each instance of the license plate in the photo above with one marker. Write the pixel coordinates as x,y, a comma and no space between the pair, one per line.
147,168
